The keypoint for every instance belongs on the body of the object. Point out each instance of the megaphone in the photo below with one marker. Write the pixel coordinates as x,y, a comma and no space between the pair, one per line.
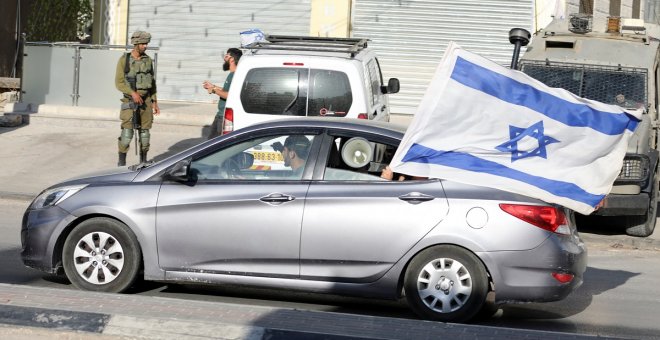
357,152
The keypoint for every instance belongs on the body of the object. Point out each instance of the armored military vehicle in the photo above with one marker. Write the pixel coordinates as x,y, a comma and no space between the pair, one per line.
615,61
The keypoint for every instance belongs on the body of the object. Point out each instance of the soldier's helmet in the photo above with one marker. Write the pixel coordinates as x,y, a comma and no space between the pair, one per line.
140,37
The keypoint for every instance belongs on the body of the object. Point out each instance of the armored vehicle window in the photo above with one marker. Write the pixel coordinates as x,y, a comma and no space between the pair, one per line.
596,82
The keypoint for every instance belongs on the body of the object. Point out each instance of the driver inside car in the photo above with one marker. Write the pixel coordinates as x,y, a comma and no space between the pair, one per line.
294,152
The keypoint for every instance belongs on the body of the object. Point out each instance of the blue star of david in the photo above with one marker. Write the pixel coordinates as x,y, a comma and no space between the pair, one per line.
517,134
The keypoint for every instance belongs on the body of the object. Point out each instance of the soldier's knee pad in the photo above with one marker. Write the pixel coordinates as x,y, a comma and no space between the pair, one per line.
144,136
125,137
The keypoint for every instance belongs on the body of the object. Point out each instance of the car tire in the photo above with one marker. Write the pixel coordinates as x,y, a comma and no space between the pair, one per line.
101,254
446,283
642,226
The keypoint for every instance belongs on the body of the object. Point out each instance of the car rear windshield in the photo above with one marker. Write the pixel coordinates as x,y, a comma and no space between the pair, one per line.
296,92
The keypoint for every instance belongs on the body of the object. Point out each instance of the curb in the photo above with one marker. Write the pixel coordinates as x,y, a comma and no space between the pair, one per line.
138,316
171,114
621,241
17,196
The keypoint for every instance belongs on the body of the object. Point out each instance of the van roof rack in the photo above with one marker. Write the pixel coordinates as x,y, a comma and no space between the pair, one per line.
352,46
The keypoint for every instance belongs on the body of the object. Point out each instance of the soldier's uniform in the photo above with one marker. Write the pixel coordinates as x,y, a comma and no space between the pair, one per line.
142,72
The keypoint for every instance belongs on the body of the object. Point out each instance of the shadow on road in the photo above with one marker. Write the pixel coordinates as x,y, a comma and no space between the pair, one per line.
287,299
550,316
9,129
13,271
183,145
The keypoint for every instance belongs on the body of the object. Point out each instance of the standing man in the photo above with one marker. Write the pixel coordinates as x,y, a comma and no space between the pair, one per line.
230,61
136,80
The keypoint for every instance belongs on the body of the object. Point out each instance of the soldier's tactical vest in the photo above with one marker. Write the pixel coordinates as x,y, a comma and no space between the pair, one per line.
142,70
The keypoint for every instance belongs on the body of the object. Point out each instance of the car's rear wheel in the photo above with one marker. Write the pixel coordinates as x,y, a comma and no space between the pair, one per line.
446,283
101,254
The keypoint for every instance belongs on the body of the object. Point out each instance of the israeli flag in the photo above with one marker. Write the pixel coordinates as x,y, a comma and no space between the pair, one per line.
483,124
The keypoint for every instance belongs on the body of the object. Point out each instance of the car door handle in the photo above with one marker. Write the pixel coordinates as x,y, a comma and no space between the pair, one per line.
277,198
416,197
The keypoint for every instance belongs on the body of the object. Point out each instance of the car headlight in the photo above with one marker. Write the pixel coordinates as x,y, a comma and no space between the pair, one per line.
55,196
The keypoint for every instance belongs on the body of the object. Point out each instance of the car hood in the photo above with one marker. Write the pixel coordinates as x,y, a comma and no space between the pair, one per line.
123,174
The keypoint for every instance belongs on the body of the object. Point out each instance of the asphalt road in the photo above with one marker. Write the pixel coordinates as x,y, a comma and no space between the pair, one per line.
620,296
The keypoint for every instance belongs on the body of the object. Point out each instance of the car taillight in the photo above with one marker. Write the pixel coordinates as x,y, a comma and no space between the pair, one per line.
563,277
287,63
228,122
363,116
545,217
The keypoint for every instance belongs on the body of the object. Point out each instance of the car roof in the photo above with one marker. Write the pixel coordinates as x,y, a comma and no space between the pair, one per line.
316,54
386,128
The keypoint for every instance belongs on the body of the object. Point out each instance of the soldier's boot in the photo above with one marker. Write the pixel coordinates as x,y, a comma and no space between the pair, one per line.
122,159
143,156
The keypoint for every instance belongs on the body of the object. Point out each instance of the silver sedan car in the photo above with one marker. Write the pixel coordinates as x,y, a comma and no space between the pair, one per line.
300,204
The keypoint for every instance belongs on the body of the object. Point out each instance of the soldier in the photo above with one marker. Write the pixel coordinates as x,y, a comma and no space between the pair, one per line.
135,79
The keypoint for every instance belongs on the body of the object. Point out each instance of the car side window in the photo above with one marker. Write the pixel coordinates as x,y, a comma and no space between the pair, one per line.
269,158
357,159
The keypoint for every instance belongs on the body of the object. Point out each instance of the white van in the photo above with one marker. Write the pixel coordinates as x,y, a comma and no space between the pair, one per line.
291,76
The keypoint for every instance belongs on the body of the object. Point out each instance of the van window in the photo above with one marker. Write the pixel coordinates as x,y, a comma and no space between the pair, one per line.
285,91
329,93
275,91
376,80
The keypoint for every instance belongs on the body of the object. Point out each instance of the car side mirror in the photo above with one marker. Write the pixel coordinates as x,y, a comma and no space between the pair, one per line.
180,171
393,86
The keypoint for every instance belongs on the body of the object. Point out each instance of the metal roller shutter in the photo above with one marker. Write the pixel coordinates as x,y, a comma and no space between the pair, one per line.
193,36
410,36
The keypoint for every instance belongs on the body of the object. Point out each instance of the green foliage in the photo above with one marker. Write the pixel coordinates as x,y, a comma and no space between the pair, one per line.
59,20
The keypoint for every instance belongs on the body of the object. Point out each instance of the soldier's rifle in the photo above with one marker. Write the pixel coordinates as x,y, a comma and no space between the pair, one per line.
137,122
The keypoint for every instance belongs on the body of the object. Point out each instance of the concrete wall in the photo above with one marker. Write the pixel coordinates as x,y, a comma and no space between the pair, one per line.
330,18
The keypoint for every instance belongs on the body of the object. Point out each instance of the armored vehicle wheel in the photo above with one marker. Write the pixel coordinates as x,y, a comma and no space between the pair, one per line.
643,226
101,254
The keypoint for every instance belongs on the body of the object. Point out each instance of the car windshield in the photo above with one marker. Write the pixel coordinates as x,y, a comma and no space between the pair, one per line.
623,86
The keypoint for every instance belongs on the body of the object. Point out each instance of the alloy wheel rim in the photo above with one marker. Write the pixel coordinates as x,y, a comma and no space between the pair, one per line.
444,285
98,258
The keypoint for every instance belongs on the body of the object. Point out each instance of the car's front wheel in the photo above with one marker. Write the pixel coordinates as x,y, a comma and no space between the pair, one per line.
446,283
101,254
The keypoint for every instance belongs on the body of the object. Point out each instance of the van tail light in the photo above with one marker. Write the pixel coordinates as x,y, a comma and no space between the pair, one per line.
545,217
363,116
228,122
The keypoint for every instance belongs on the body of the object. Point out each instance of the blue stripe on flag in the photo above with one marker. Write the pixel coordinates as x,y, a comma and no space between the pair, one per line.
514,92
460,160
